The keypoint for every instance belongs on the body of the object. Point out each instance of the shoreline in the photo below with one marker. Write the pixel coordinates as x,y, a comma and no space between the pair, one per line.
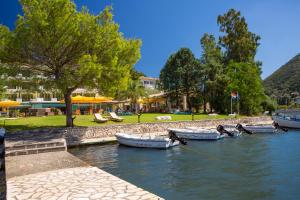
93,135
105,134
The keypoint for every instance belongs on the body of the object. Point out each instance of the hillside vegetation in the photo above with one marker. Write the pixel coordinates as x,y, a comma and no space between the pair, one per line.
286,80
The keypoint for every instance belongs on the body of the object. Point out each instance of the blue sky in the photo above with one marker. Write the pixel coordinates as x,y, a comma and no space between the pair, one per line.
164,26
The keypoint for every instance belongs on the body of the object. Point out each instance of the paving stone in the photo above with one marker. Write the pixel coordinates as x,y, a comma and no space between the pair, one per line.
74,184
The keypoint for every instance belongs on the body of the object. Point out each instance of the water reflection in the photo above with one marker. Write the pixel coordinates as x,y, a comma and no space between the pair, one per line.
250,167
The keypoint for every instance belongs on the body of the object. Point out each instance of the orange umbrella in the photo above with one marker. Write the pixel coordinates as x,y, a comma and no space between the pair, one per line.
102,99
92,100
9,103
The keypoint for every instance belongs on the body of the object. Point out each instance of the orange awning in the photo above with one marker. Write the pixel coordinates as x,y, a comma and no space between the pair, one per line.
102,99
9,103
91,100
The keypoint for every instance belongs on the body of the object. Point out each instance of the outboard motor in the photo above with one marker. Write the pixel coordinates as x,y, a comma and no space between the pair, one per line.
240,128
223,131
276,125
173,137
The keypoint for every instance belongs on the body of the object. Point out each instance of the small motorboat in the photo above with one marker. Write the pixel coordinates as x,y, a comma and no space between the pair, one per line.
146,141
292,121
250,129
228,131
192,133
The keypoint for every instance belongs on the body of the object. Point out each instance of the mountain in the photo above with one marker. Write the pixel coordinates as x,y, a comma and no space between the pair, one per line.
285,80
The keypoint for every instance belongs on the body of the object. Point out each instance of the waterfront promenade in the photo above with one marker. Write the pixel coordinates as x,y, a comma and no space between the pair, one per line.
62,176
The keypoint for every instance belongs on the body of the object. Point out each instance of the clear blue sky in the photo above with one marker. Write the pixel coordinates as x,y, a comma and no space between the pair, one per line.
167,25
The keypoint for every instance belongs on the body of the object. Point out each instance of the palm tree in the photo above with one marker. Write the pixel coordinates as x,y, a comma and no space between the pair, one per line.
134,92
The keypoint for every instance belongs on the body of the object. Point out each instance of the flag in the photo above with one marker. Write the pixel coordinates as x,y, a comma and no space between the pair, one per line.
234,95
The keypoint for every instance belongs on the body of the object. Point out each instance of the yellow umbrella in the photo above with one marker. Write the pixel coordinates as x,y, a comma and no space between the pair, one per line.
140,100
80,99
9,103
102,99
92,100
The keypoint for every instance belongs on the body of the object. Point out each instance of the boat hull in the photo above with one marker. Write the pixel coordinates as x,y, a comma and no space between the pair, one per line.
261,129
287,122
144,142
194,134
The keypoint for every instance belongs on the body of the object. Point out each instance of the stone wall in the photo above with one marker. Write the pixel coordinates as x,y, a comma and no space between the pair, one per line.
2,165
76,134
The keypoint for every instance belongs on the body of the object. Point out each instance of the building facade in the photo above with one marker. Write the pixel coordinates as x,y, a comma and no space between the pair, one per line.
149,82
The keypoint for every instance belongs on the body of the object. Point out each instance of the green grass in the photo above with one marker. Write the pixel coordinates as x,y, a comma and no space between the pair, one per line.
87,120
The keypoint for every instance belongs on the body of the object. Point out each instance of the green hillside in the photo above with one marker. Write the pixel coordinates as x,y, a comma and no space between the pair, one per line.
285,80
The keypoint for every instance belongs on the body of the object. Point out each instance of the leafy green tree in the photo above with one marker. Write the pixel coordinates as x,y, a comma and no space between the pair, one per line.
181,74
244,78
134,92
2,88
239,43
169,79
268,104
70,48
213,70
135,75
243,71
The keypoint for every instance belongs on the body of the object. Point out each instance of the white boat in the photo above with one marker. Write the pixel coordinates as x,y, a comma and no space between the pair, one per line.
197,134
145,141
258,129
261,128
233,131
287,121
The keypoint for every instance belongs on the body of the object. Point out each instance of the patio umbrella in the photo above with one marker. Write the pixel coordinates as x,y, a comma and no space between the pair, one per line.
9,103
102,99
80,99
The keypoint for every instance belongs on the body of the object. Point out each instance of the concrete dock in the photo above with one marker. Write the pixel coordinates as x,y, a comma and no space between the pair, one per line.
62,176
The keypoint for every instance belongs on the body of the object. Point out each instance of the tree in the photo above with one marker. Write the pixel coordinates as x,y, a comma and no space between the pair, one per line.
213,70
135,75
181,74
134,92
2,88
169,79
70,48
244,78
243,71
239,43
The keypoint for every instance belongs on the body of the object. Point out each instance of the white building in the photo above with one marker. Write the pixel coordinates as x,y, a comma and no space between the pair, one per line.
149,82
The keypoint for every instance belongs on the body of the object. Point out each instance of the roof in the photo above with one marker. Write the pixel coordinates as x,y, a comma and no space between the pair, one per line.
144,78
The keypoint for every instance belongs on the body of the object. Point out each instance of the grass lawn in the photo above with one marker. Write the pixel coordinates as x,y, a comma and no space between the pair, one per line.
87,120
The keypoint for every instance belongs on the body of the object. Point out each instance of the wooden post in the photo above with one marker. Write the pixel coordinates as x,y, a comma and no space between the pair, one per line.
2,165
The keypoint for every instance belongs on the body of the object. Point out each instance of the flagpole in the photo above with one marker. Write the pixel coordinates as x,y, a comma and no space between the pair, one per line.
230,104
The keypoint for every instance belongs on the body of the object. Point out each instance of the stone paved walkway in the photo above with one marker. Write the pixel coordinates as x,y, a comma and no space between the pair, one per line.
82,183
36,163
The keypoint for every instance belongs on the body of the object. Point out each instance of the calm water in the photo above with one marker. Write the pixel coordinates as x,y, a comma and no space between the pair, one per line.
249,167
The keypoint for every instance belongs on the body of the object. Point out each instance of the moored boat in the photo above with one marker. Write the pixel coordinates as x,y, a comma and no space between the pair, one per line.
287,121
250,129
229,131
197,133
146,141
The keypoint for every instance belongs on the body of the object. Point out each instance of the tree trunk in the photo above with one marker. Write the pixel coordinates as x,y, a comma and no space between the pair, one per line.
177,99
188,102
204,103
68,102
